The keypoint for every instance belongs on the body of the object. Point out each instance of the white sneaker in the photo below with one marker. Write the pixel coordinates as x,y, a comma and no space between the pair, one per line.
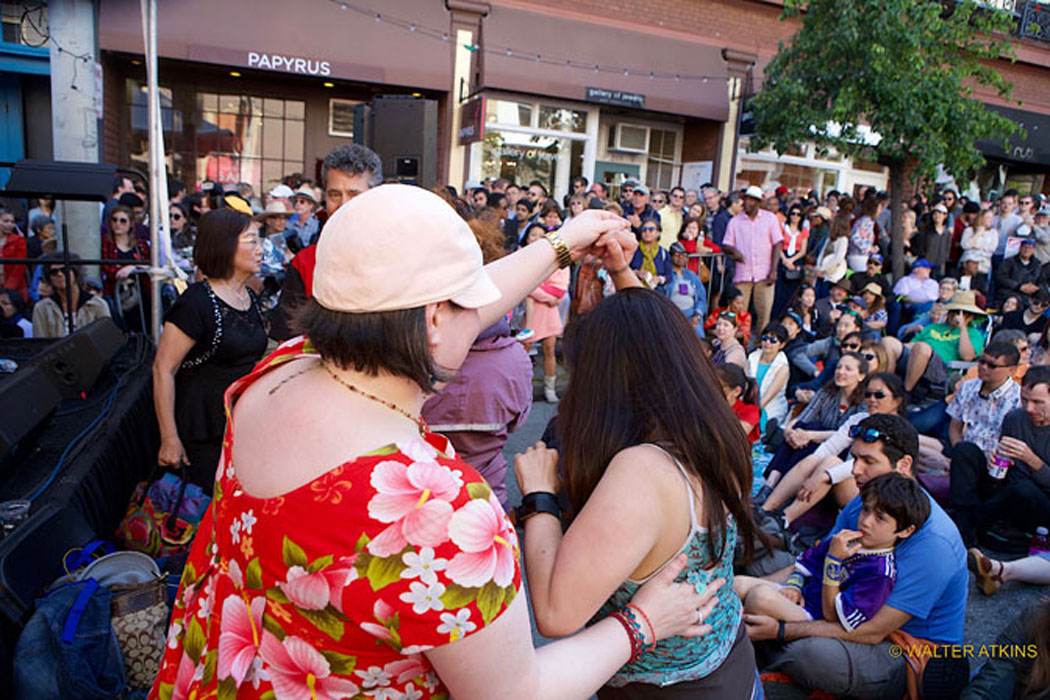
549,392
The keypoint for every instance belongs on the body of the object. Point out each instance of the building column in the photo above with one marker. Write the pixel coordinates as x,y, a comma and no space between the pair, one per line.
467,66
739,65
75,107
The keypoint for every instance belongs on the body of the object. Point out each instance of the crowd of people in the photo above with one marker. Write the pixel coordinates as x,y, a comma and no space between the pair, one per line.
359,541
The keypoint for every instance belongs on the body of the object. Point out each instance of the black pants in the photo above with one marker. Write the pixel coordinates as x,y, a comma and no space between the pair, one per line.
978,501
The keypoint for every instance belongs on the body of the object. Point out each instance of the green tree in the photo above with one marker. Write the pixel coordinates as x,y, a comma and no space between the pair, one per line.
906,69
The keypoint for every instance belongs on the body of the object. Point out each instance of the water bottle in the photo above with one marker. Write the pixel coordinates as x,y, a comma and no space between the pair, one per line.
1040,542
998,467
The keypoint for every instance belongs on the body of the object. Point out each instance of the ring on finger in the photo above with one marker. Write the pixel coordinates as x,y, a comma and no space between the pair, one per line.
699,616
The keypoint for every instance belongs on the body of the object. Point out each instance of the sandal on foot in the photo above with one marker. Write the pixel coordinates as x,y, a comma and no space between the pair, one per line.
982,567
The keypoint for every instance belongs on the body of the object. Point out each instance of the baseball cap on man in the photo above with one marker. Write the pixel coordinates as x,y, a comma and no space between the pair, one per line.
399,247
922,262
641,189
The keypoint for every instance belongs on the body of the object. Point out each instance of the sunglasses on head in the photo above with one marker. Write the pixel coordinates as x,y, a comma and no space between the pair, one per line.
727,314
870,435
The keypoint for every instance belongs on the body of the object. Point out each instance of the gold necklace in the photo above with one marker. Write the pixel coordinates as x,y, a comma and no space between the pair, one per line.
421,425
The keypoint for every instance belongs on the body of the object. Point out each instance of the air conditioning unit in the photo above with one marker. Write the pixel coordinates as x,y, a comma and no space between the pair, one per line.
630,138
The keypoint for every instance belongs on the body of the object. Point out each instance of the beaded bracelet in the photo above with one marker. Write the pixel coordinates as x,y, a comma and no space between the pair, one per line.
652,630
634,633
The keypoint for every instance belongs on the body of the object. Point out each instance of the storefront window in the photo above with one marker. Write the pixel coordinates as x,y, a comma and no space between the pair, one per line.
523,158
662,166
507,112
246,138
224,137
557,119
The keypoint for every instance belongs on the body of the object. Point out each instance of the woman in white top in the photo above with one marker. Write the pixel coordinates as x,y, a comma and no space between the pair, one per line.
769,366
831,265
982,240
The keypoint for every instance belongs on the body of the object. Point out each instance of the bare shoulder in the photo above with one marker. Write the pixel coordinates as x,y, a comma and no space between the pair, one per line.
641,464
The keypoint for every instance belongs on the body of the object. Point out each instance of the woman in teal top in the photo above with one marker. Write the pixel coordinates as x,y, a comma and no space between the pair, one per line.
651,473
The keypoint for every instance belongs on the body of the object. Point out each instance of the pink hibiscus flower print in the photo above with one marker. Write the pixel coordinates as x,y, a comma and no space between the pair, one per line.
487,540
299,672
315,591
415,500
240,633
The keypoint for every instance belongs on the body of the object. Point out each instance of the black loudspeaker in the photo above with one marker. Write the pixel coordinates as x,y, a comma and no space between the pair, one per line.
74,363
404,134
26,399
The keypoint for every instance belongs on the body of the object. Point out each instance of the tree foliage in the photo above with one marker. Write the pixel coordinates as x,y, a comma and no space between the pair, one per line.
905,68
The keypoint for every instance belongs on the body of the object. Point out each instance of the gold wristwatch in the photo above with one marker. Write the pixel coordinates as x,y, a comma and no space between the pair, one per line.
560,249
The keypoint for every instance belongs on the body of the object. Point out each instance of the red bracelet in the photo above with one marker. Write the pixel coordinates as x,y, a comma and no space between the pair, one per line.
652,630
633,634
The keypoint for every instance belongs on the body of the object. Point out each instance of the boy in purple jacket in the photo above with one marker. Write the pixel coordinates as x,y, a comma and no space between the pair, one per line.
847,577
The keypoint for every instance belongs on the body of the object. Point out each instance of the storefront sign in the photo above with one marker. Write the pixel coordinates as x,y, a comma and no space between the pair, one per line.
521,152
1033,147
472,121
288,64
615,97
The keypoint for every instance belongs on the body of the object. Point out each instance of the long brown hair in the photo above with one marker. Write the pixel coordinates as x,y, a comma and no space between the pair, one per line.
1037,682
627,388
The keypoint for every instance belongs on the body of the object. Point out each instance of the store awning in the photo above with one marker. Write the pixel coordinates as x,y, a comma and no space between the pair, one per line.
1033,148
558,41
312,39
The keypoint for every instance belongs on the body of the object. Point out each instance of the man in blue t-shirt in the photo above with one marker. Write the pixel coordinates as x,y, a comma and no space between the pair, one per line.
928,600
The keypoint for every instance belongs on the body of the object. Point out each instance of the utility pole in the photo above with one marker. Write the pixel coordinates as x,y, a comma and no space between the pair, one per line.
76,101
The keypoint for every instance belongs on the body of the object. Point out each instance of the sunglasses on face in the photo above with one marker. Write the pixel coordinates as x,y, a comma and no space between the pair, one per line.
648,228
119,219
869,356
57,271
770,339
850,346
676,196
989,363
875,395
176,217
795,213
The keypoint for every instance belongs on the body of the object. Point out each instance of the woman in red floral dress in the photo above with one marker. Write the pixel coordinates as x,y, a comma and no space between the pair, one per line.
348,553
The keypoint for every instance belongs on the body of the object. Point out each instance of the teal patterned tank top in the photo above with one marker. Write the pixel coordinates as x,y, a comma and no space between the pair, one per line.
679,659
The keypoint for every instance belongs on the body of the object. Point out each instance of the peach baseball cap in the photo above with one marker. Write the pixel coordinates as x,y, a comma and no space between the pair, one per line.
399,247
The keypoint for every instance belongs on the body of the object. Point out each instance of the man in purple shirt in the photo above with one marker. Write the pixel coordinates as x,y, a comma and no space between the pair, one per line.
752,239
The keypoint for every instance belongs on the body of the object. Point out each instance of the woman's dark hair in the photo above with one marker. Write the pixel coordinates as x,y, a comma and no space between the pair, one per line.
776,330
877,304
796,302
525,236
614,364
53,260
870,206
734,377
390,341
218,234
689,220
895,385
729,294
857,394
1037,681
551,206
183,209
15,298
840,222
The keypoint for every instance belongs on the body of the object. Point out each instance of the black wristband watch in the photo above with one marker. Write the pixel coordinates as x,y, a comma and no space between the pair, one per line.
538,502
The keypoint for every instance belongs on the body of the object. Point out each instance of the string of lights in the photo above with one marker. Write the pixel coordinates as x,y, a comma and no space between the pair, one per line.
521,54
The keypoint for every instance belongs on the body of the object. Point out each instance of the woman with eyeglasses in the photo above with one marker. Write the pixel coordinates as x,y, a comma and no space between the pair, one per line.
50,315
213,334
792,259
833,405
769,366
651,262
183,234
812,478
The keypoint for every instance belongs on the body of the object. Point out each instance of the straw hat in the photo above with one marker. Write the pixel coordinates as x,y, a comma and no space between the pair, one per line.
965,301
306,192
873,288
274,208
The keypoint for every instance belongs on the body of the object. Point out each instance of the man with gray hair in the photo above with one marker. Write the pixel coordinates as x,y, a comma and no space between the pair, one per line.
347,171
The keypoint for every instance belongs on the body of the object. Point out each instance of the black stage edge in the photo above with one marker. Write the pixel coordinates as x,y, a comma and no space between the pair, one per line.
88,495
